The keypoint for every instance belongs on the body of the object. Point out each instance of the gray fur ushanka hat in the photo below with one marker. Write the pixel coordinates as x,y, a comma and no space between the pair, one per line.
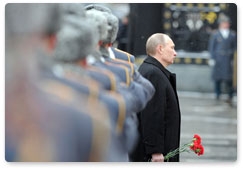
99,22
77,37
113,21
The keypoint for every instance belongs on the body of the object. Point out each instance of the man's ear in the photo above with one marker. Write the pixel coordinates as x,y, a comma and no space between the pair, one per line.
161,48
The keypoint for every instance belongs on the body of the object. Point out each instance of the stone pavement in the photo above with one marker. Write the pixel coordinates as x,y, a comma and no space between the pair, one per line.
216,123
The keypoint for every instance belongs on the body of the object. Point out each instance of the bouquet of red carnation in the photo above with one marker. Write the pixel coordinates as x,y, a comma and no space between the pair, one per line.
195,146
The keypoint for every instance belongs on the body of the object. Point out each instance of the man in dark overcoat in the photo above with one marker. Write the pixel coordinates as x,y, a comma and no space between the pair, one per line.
161,119
222,46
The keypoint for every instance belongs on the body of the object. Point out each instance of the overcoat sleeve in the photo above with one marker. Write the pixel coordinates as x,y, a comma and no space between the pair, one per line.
153,115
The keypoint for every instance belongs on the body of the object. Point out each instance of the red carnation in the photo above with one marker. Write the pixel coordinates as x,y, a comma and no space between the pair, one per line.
197,139
195,145
199,149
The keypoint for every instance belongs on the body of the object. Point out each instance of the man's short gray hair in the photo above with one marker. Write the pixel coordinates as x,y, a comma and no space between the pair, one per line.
154,40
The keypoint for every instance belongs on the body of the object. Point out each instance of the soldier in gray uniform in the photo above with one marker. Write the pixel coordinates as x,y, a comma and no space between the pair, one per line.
45,119
72,68
107,43
137,85
110,57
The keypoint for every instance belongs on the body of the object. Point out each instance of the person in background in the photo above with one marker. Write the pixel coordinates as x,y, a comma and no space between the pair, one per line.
122,34
222,47
160,120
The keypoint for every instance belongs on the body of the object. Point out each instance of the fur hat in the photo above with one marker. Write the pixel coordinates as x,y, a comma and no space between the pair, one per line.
113,21
97,7
223,18
72,9
22,18
100,22
75,40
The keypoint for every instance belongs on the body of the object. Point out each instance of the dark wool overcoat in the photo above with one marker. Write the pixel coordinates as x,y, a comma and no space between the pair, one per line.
159,122
222,51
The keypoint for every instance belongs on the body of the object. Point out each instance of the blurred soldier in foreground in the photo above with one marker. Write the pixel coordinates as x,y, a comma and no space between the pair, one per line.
72,67
45,119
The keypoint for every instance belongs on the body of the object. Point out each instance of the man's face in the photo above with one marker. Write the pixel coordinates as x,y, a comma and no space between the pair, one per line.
169,53
224,25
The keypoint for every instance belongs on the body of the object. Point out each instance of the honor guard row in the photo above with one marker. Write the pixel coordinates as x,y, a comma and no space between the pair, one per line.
73,96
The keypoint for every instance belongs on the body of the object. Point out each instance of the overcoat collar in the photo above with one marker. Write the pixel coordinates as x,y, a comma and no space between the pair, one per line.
171,76
155,62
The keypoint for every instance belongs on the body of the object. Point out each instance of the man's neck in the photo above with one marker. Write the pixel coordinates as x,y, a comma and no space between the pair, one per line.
160,61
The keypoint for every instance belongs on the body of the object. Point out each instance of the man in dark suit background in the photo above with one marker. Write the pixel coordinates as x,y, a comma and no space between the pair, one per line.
160,120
